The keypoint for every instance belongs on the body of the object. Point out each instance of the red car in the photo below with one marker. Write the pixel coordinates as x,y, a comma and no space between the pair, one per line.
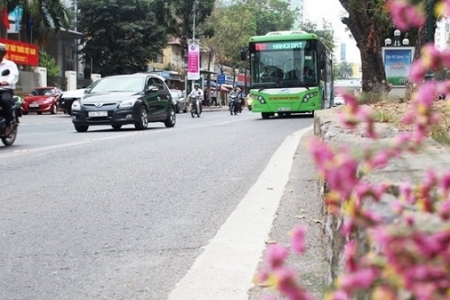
43,99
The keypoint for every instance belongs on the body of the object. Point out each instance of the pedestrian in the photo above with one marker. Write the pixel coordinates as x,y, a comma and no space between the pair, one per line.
213,97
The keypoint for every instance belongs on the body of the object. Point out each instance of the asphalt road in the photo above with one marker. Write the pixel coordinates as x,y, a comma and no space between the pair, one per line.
123,214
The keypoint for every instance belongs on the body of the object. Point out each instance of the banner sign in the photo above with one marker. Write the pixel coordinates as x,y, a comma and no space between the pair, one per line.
14,18
397,64
21,53
193,72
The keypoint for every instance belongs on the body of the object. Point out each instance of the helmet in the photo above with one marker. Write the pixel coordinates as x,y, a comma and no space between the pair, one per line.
2,47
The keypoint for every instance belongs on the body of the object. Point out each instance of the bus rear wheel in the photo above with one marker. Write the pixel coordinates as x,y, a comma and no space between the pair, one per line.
265,116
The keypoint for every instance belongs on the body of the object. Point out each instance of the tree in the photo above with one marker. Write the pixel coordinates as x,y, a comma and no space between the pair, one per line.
233,27
48,62
121,37
272,15
326,33
179,18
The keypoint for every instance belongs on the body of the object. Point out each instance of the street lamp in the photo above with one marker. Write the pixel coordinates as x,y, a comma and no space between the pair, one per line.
397,40
387,42
397,34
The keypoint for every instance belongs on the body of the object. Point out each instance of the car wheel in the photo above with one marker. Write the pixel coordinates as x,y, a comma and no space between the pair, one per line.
142,123
24,113
81,128
39,113
54,110
171,119
116,127
185,108
177,108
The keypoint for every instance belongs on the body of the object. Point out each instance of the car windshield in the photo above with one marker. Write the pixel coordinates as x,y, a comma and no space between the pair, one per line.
174,93
42,92
119,84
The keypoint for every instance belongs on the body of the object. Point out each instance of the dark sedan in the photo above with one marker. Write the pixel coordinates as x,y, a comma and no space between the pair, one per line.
135,99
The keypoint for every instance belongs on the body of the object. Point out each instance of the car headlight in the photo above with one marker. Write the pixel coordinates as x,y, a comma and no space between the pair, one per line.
76,105
127,103
309,96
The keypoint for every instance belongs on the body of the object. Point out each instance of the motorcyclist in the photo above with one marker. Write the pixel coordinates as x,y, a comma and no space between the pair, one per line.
235,92
241,100
7,87
196,92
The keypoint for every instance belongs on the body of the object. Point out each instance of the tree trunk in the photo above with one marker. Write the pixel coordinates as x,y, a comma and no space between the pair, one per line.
420,42
363,27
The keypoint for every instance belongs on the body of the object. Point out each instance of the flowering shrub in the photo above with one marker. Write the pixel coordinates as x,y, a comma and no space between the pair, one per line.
405,260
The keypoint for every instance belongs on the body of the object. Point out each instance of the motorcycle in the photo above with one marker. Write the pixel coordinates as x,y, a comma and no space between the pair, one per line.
195,106
8,139
234,105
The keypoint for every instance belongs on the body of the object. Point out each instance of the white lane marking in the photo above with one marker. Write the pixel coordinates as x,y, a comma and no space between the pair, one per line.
28,124
226,267
48,149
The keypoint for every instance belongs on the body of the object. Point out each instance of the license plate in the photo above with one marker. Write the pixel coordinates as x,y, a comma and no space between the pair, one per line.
34,105
284,109
98,114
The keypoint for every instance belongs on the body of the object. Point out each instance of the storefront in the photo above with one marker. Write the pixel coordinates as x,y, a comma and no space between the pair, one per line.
173,79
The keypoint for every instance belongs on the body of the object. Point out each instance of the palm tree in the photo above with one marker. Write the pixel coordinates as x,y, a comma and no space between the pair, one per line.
41,18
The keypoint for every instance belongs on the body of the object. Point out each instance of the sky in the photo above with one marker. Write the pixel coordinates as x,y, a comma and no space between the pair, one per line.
331,10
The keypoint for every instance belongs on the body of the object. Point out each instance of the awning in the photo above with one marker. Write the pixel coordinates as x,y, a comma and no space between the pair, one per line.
213,84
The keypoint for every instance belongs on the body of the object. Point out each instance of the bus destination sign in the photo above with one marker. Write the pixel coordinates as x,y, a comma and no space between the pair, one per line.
280,45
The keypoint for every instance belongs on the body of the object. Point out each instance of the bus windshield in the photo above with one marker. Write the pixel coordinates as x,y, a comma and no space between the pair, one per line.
283,67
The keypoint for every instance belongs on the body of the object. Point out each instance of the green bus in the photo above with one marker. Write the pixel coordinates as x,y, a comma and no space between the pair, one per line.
291,72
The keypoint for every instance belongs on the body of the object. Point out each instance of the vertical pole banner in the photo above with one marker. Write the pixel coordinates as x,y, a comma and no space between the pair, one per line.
193,61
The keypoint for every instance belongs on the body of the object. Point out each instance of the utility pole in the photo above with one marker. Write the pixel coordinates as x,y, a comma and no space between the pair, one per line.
431,23
193,22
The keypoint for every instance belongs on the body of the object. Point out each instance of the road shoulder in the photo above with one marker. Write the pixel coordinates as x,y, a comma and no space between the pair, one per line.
301,205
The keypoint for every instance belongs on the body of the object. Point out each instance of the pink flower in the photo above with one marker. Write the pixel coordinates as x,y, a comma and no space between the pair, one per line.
444,210
287,284
298,240
405,15
361,279
276,255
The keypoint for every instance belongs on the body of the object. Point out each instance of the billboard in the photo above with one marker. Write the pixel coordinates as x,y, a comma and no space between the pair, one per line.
397,64
21,53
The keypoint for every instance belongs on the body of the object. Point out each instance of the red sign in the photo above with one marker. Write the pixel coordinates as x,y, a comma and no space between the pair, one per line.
240,78
259,47
21,53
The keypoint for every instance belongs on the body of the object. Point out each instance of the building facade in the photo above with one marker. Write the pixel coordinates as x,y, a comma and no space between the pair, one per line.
343,52
442,34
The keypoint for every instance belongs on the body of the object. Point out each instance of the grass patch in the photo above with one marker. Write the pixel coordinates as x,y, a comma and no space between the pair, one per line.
440,134
385,116
386,112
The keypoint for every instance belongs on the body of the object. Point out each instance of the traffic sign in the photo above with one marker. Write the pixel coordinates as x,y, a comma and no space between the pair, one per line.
221,79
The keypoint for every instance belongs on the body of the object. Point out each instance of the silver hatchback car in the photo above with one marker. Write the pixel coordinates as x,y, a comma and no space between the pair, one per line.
179,101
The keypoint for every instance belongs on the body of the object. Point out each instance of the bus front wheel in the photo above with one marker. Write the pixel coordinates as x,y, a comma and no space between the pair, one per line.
265,115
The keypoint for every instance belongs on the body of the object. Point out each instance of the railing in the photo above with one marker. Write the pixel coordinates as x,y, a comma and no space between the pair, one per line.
83,83
60,82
